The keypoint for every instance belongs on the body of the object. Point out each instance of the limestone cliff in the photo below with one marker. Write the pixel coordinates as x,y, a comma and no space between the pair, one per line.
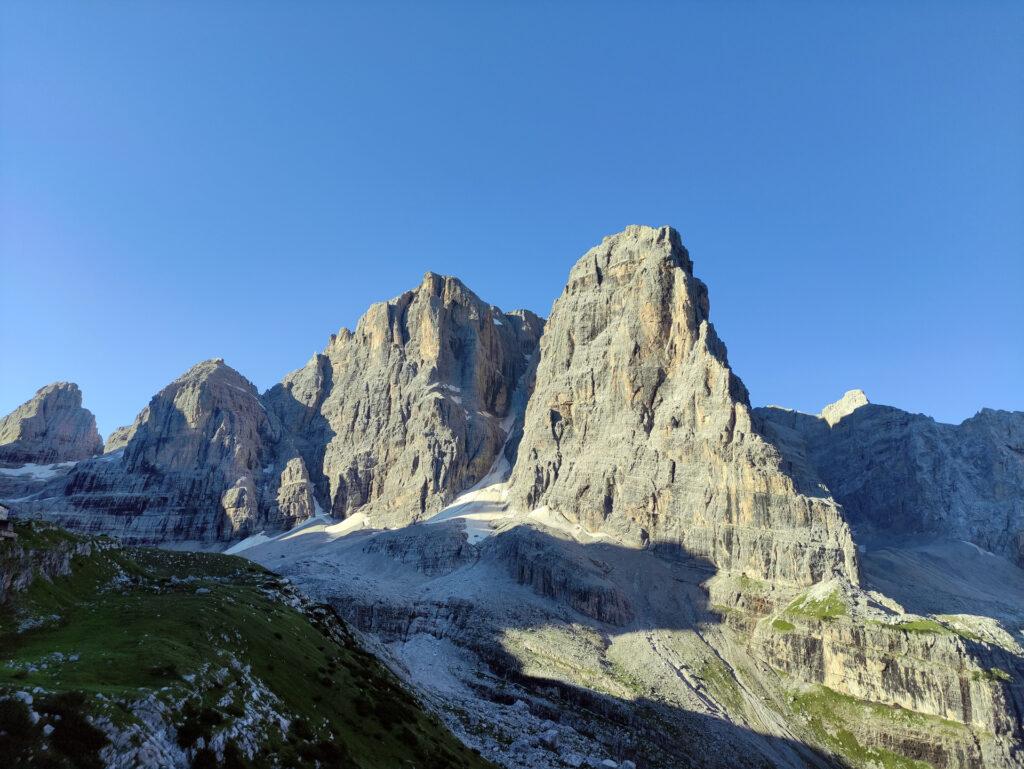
51,427
205,461
908,474
412,407
638,425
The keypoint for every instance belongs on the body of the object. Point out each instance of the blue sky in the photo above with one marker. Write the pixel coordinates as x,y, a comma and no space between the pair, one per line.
188,180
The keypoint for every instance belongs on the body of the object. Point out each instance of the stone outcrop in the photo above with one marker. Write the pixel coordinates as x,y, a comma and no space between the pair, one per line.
23,561
637,424
930,689
850,402
906,473
562,574
397,417
118,439
51,427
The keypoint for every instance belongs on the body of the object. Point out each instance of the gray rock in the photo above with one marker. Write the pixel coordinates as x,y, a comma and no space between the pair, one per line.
206,461
412,407
549,739
908,474
638,426
118,439
51,427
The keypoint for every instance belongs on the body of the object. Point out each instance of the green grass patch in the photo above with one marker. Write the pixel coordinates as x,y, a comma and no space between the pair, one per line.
129,622
992,674
831,715
829,607
783,626
929,626
922,626
721,684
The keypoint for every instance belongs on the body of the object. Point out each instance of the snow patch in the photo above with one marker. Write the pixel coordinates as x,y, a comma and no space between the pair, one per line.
981,550
38,472
245,544
483,505
555,520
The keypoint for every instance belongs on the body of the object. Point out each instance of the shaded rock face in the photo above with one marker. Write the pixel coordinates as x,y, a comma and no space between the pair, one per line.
412,407
205,461
906,473
51,427
564,575
637,424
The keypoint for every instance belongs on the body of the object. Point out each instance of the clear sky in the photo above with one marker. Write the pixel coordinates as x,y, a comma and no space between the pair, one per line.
186,180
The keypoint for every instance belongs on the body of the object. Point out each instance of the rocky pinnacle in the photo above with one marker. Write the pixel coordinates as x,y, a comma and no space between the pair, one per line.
638,426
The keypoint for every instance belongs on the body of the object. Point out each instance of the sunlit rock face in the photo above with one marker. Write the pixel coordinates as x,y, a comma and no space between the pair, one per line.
908,474
637,425
51,427
412,407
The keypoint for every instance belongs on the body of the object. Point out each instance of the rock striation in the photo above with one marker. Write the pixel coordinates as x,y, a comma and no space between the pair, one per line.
637,425
414,406
51,427
908,474
205,462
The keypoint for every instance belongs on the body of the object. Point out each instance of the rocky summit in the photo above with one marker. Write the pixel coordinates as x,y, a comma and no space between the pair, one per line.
412,407
51,427
204,461
575,542
638,426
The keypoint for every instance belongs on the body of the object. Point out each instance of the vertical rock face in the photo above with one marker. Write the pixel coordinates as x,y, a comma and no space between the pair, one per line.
204,461
638,425
412,407
907,473
51,427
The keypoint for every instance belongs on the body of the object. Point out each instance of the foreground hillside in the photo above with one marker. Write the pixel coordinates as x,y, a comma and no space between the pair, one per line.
128,657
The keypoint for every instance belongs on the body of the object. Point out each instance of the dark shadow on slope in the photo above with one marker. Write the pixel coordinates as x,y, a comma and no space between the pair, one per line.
893,471
785,431
306,426
529,579
932,575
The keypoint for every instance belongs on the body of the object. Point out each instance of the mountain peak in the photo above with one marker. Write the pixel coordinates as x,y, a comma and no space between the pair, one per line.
641,242
638,427
50,427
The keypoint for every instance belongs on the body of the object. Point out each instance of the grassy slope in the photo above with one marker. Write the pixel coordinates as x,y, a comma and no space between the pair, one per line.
137,629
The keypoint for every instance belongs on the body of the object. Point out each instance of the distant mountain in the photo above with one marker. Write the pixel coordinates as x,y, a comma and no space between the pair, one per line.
393,420
908,474
580,544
